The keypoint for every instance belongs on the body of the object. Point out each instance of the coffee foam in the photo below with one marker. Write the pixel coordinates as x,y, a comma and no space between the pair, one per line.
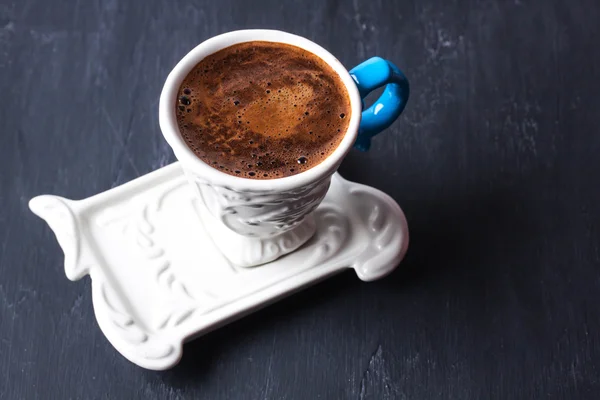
262,110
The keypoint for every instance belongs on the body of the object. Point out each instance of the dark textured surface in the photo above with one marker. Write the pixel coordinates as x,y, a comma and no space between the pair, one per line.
495,163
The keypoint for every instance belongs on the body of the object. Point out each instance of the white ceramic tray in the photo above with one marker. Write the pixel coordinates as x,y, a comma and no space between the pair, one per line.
158,280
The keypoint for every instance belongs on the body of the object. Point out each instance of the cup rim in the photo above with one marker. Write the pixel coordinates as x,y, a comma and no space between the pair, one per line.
170,129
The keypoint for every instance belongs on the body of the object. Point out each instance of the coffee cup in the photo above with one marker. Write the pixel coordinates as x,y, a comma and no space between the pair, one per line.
255,221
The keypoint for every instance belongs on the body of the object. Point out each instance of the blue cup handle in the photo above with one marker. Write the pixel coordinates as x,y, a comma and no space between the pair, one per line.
370,75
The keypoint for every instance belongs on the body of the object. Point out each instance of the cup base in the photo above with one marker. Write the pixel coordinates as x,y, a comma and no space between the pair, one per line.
243,251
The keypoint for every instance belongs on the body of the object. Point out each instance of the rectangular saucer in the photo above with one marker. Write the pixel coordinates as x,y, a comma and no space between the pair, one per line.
158,280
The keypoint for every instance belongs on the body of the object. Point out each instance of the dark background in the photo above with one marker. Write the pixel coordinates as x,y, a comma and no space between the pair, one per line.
495,162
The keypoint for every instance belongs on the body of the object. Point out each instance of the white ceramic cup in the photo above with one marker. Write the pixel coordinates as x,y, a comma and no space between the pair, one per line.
261,211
